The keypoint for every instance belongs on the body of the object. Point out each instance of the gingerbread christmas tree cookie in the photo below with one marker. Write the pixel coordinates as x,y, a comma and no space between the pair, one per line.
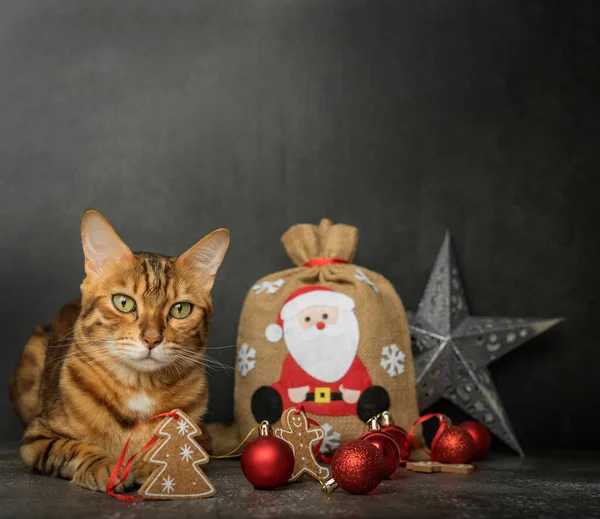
179,457
302,438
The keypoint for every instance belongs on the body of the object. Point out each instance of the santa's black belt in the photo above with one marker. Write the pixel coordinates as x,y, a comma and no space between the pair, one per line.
323,395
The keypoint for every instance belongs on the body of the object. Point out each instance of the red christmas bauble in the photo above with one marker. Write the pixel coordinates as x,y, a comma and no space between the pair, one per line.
481,437
401,437
388,448
357,467
267,462
454,446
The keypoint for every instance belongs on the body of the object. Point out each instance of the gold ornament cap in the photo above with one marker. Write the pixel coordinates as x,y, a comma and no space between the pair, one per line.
264,429
386,419
373,424
330,486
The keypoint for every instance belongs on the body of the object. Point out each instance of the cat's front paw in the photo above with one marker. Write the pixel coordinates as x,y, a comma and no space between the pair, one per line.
96,476
141,472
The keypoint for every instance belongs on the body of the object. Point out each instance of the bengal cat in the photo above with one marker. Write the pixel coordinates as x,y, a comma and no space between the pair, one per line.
133,346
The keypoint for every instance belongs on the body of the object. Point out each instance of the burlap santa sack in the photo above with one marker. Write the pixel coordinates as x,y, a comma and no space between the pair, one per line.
327,335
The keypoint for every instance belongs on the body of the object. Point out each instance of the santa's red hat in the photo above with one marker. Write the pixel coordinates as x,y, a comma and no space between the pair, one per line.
303,298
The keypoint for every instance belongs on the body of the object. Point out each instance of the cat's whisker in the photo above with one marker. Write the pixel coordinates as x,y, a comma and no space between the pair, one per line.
68,337
89,349
193,361
82,341
99,356
99,359
96,360
208,358
71,343
174,364
221,347
85,344
119,362
190,360
85,338
204,360
71,331
216,366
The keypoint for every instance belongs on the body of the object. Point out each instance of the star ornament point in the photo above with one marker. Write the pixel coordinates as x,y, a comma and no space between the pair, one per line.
452,349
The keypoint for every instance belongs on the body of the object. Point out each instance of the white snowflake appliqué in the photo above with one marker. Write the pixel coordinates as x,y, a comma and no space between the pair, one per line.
270,287
182,427
392,360
168,484
186,453
331,438
361,276
246,360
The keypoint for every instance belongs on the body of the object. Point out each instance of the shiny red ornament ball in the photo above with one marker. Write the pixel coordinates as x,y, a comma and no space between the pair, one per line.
481,437
267,462
357,467
454,446
388,448
401,437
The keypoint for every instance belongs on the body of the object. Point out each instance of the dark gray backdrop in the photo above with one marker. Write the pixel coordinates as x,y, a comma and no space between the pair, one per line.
403,118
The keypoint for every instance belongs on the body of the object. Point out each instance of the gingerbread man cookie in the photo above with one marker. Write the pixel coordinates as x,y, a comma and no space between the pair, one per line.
298,434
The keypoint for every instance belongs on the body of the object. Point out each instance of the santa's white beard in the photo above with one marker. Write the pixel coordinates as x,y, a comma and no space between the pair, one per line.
324,354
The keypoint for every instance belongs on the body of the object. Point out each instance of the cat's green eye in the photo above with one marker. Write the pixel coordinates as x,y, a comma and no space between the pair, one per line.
123,303
180,310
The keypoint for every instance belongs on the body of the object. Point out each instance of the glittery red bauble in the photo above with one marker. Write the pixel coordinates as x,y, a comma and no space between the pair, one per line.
388,448
357,467
401,437
481,437
267,462
454,446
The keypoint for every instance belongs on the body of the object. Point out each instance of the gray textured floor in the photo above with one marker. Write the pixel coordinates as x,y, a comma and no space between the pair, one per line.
551,487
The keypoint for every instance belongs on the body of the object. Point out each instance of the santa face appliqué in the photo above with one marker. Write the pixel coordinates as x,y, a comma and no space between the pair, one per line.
323,341
322,371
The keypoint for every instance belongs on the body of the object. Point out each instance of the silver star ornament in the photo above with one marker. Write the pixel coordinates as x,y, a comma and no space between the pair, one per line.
452,349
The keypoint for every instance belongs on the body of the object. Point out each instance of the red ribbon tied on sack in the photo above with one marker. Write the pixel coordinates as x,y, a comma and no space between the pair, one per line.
318,262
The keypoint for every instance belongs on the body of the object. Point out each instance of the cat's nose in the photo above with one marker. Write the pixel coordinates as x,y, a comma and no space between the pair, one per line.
151,341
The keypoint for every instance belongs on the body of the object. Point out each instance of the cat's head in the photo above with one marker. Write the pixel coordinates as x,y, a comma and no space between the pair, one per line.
142,311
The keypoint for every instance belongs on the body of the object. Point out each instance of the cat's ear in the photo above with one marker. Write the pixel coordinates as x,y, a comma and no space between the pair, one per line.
100,242
206,256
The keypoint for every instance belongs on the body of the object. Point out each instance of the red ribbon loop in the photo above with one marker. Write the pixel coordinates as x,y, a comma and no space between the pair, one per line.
441,429
318,262
112,481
